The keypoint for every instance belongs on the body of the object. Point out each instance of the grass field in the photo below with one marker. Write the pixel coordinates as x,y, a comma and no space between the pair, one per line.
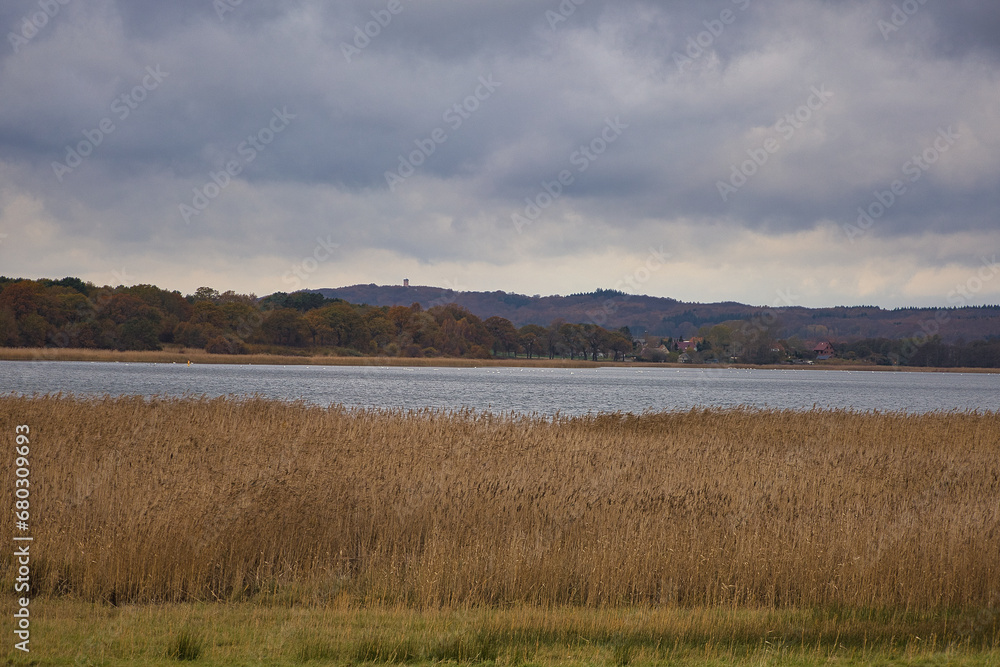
272,632
261,531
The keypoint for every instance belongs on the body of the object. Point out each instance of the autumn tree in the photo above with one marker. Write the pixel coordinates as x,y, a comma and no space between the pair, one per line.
379,328
460,333
400,318
20,298
504,334
336,324
553,339
284,326
572,340
595,337
531,337
620,345
755,341
134,324
204,294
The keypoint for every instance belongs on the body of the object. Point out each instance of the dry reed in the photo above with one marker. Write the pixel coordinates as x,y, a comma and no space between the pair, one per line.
175,354
180,355
178,499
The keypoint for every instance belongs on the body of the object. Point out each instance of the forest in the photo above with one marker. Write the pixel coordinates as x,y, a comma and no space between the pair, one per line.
71,313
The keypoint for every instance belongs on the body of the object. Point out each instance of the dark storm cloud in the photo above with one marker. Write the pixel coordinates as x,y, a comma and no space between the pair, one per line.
963,27
397,86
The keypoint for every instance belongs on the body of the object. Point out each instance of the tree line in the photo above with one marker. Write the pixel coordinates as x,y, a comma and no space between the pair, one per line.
78,314
932,352
72,313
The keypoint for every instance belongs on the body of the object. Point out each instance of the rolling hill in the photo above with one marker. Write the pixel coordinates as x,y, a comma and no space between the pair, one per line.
670,317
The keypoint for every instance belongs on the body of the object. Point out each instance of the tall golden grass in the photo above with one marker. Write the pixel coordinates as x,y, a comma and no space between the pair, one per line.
178,499
176,354
181,355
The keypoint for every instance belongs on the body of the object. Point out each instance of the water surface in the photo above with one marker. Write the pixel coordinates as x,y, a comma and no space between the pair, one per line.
523,390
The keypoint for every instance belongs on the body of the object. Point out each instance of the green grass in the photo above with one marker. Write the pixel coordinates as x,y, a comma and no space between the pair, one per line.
187,645
66,632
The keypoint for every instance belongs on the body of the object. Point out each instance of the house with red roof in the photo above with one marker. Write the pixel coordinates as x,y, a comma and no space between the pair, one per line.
689,345
824,351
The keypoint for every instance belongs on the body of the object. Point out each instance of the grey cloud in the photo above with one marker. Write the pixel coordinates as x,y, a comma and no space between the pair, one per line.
326,172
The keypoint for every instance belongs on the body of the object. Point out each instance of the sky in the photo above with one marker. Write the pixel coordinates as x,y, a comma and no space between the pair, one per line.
807,152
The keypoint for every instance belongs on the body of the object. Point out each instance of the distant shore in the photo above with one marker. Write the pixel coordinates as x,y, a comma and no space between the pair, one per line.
180,355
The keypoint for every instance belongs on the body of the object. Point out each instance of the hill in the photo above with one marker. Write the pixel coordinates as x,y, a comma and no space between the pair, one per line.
670,317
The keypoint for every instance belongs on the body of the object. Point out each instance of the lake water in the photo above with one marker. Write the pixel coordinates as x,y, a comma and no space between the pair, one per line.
523,390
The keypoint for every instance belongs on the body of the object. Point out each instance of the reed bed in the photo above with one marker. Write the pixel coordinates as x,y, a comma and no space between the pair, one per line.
174,354
180,355
137,500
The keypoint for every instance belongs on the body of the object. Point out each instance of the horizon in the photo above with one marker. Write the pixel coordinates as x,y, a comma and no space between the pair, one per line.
596,291
653,296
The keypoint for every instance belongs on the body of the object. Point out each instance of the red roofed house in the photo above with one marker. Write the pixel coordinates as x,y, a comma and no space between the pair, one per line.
824,351
689,345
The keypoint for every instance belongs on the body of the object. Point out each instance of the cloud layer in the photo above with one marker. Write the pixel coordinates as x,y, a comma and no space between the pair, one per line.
847,150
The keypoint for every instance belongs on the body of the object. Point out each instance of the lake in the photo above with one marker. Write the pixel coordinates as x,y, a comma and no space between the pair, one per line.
544,391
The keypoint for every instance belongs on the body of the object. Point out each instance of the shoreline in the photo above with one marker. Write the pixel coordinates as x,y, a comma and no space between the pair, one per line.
184,355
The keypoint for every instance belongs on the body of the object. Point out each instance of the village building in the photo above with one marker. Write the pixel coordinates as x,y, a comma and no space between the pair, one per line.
824,351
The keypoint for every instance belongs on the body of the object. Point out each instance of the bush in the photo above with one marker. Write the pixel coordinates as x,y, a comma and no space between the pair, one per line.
223,345
190,335
478,352
654,355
